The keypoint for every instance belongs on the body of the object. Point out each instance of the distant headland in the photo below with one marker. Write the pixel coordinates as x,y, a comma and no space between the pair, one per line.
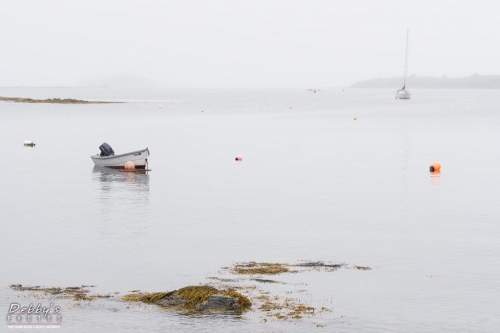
475,81
51,100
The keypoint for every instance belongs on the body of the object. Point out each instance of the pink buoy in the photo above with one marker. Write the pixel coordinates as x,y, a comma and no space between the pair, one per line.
129,166
160,106
239,158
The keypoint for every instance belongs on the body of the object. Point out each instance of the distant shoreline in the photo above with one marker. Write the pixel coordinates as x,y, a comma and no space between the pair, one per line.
51,100
413,81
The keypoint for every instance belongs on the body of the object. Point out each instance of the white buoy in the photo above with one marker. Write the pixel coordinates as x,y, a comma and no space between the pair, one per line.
160,106
29,143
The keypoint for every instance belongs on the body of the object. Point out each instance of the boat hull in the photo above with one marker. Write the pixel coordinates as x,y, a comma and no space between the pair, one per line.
139,158
403,94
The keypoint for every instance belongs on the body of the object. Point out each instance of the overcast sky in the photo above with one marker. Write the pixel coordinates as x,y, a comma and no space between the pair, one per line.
240,43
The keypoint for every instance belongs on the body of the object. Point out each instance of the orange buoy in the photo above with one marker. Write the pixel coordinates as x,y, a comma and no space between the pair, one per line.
239,158
435,167
129,165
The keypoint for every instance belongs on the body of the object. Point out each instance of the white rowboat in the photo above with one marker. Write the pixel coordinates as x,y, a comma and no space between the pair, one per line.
138,157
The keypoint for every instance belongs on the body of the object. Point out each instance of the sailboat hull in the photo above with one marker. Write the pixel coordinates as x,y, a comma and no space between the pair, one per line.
403,94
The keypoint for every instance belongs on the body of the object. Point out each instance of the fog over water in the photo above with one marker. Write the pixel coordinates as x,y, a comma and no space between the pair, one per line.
314,184
334,174
242,44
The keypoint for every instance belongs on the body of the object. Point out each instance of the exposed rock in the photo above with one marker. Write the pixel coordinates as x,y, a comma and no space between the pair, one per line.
219,303
195,298
170,300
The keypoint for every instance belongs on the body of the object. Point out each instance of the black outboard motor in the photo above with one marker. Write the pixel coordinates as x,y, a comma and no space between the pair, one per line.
106,150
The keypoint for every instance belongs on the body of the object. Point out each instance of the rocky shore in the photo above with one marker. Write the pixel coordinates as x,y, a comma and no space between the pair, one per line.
237,289
51,100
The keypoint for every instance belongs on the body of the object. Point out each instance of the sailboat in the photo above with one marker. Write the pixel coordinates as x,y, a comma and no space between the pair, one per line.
403,93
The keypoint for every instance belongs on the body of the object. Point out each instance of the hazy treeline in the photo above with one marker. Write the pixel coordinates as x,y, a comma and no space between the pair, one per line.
471,82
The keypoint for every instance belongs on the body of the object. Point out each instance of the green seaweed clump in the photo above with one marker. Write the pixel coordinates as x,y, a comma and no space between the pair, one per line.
194,295
144,297
191,297
254,268
363,268
74,293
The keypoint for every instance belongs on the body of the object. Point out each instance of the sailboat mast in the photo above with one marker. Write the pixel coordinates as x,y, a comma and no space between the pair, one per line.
406,57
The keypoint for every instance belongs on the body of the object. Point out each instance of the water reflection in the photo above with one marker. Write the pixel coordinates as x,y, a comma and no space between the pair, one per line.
116,185
435,177
122,202
112,179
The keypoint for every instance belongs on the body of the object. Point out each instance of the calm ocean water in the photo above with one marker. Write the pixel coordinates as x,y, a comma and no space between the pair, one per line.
314,184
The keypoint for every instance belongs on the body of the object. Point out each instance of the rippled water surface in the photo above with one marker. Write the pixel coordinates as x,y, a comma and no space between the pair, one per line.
314,184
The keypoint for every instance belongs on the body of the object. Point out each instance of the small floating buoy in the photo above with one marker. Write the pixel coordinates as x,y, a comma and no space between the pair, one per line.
239,158
435,167
355,118
160,106
29,143
129,165
202,111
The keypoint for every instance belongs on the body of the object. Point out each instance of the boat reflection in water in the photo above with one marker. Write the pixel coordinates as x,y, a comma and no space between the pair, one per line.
118,185
122,203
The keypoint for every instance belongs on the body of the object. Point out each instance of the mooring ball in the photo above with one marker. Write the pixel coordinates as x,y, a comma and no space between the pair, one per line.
435,167
129,165
238,158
